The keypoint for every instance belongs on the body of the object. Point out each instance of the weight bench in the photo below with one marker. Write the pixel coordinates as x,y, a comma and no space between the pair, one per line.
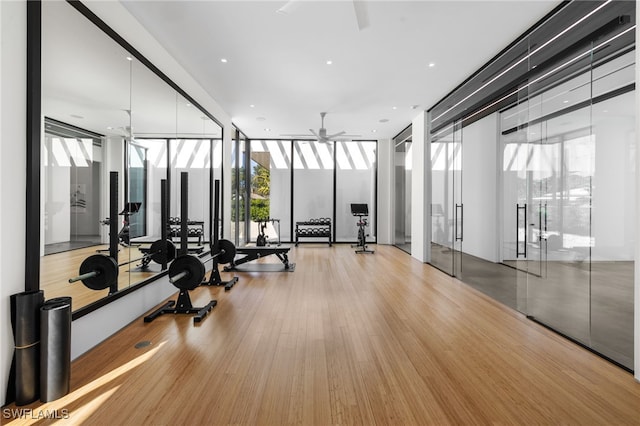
252,253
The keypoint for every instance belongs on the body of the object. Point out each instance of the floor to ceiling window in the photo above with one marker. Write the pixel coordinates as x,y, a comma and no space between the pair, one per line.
290,182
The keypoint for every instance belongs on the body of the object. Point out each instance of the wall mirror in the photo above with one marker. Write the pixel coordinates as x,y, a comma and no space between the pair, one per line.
105,110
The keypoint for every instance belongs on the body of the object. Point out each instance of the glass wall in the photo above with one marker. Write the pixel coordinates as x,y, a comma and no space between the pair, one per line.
402,190
575,170
290,182
355,184
533,191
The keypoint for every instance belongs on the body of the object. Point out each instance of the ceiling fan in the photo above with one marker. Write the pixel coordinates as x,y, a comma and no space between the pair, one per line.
359,8
321,135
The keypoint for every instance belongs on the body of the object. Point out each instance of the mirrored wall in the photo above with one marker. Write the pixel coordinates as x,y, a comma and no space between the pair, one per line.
107,111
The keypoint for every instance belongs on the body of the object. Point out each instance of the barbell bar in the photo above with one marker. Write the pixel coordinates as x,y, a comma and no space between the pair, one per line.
98,271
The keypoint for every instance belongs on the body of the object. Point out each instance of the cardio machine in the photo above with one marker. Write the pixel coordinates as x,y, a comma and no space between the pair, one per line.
361,211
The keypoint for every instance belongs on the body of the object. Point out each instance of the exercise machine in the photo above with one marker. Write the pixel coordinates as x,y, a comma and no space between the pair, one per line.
187,271
218,245
361,211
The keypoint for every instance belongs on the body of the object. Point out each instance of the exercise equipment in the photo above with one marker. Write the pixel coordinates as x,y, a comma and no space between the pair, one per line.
361,211
24,376
98,271
254,253
188,271
218,245
55,352
261,239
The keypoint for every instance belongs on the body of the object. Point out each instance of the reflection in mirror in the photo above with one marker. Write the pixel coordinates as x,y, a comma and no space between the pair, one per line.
86,102
106,110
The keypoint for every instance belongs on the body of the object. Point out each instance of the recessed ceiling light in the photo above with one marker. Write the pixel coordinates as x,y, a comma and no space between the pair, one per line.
329,62
223,60
394,107
252,106
129,58
188,104
374,130
432,64
565,102
267,130
109,128
605,110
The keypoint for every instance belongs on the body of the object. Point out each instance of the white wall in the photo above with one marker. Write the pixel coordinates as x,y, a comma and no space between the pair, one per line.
479,191
420,189
12,170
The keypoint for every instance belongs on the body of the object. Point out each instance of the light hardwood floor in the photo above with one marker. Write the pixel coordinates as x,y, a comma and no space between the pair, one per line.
345,339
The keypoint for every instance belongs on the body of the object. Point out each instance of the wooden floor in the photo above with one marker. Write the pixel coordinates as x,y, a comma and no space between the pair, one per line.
345,339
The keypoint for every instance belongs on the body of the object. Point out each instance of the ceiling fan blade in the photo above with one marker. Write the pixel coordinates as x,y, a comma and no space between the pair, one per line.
315,134
362,14
335,135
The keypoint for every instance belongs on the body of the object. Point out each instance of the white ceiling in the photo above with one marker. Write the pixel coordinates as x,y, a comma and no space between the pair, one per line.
277,62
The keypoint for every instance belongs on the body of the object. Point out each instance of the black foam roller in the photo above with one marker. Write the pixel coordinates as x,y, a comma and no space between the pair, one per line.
25,322
55,351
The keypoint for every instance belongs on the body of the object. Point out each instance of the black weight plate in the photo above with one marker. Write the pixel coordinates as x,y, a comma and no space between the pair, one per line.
229,250
105,266
194,268
158,256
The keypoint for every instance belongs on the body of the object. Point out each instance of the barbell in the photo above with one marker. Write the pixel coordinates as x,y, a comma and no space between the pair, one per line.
187,271
98,271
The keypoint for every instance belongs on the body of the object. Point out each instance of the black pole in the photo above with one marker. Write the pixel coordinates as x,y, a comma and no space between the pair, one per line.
184,211
163,221
113,223
33,148
216,211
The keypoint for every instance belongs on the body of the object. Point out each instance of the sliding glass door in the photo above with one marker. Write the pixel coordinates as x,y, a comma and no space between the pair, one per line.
447,209
569,203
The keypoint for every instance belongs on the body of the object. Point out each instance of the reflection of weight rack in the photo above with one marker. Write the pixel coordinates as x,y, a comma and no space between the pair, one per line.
314,228
195,229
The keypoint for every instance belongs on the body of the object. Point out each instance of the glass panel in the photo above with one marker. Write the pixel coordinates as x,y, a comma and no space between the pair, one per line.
271,191
85,128
613,218
238,190
191,156
313,184
355,183
442,204
402,193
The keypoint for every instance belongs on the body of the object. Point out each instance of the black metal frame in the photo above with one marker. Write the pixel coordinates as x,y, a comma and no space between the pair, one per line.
291,200
34,142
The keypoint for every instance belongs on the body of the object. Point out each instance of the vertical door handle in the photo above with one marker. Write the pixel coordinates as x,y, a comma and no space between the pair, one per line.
461,216
518,209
